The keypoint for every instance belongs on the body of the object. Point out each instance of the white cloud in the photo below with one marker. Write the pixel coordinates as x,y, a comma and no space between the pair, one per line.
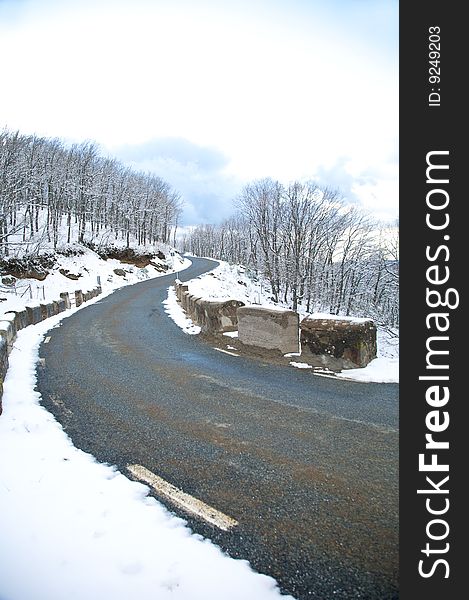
281,91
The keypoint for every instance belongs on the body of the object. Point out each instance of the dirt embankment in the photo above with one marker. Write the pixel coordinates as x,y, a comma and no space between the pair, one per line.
131,257
38,267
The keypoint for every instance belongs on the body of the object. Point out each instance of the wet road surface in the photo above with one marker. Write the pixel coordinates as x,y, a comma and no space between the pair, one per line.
307,465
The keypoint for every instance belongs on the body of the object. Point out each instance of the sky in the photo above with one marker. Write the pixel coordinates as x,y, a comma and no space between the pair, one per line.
210,95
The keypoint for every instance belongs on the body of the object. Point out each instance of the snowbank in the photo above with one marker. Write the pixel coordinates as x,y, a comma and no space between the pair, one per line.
73,528
177,314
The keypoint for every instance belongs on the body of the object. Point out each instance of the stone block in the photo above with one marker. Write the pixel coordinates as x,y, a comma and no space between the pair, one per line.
44,311
34,314
347,343
78,297
8,333
272,329
66,298
20,318
184,300
181,288
217,317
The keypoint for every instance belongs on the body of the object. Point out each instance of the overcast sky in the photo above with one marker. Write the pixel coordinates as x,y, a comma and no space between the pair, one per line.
211,94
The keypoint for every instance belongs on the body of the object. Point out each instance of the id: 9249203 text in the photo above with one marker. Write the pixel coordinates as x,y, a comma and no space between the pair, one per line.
434,70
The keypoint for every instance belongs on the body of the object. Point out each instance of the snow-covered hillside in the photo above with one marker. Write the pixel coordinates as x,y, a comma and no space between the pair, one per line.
78,267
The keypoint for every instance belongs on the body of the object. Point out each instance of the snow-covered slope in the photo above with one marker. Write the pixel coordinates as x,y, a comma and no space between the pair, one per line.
85,264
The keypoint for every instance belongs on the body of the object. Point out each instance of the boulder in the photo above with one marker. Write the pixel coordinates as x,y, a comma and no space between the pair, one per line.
9,281
346,343
72,276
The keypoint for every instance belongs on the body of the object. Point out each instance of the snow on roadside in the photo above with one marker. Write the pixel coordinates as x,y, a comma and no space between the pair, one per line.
300,365
77,529
177,314
379,370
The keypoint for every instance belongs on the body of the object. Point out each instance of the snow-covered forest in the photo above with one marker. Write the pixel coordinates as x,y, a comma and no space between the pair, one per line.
47,188
315,250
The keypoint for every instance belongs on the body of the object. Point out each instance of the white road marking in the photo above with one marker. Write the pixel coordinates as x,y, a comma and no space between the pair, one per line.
225,351
47,340
319,374
182,500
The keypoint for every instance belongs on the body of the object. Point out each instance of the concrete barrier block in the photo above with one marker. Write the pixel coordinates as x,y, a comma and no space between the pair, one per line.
62,305
34,314
346,342
78,297
55,307
269,328
66,298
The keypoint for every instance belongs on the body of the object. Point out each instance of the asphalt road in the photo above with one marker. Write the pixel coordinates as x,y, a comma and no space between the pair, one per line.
307,465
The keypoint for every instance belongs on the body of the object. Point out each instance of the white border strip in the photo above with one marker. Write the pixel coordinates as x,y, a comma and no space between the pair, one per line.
182,500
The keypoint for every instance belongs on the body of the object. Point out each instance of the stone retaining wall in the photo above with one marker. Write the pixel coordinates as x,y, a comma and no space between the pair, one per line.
13,321
213,317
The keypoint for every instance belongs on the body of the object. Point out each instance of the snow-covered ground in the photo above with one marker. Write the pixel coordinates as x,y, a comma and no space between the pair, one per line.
233,281
73,528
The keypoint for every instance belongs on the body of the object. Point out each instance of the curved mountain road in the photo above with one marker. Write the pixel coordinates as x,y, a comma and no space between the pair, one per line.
308,466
